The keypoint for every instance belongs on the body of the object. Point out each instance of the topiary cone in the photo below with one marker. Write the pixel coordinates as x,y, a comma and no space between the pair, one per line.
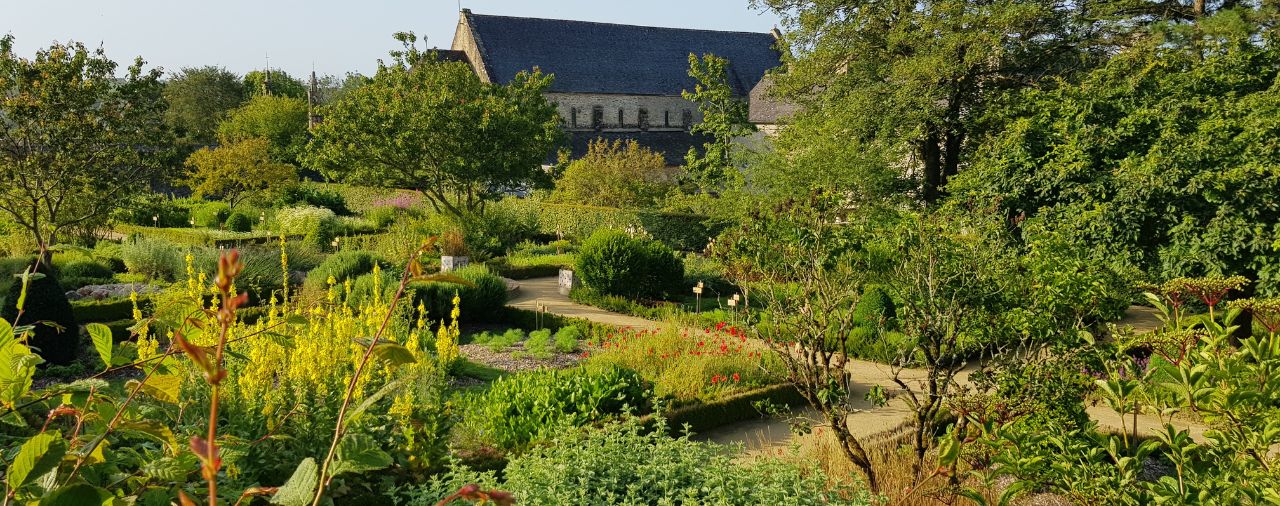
46,304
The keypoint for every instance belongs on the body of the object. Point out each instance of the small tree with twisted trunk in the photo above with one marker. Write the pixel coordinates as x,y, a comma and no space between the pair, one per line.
802,264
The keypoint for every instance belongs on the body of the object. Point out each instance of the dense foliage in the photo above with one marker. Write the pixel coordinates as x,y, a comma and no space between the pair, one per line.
433,126
75,142
615,263
615,175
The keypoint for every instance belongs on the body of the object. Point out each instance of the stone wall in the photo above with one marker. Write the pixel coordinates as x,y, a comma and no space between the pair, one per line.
662,113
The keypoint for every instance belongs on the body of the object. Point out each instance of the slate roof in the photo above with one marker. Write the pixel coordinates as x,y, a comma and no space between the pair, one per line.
673,145
589,57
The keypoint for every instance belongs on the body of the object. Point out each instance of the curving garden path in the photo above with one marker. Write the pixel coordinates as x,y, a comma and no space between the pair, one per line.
871,421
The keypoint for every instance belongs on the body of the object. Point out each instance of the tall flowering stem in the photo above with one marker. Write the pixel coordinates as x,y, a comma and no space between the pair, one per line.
229,266
411,271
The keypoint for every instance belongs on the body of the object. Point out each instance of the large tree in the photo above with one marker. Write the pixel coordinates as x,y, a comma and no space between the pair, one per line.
435,127
1165,159
616,174
904,83
274,82
75,141
280,120
199,98
237,171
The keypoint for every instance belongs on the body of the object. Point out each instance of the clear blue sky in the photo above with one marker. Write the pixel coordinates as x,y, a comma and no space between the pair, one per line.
336,36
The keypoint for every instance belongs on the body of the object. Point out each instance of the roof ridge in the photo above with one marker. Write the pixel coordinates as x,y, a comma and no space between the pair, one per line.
623,24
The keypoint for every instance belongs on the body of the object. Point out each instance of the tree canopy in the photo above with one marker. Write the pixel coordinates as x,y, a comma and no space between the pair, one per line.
616,174
75,142
433,126
275,82
724,119
237,171
199,98
1165,159
282,121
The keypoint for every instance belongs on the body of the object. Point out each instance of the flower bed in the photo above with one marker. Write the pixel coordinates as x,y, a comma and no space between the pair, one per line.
691,365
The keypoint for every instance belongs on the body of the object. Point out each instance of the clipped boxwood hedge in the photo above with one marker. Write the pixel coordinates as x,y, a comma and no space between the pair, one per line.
702,417
105,310
685,232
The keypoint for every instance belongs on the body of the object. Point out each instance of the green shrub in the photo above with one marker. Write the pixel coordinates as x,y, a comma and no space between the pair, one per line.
362,288
527,407
539,344
613,263
308,196
58,340
302,220
166,212
210,214
566,340
106,310
480,301
239,222
342,266
110,254
499,342
154,259
383,216
876,309
628,463
85,269
685,232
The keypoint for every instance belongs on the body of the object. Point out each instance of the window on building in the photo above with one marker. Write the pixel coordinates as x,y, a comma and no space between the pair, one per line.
666,118
643,118
686,118
573,117
620,121
597,117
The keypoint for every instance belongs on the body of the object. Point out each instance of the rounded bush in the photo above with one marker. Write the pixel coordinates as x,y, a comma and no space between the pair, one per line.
210,214
85,269
478,302
876,308
303,220
46,302
154,259
614,263
239,222
342,266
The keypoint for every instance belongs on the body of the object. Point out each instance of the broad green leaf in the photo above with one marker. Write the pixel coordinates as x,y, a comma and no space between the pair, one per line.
162,387
6,333
38,455
391,353
299,490
80,494
375,397
157,430
171,469
101,335
279,339
358,453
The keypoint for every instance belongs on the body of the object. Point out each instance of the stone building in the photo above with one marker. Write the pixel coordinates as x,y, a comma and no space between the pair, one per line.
614,81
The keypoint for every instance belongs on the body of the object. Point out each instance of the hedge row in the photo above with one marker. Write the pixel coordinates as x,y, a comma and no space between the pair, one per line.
685,232
105,310
198,237
702,417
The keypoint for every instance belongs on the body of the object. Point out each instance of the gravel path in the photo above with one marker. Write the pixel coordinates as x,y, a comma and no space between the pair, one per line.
513,359
872,420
